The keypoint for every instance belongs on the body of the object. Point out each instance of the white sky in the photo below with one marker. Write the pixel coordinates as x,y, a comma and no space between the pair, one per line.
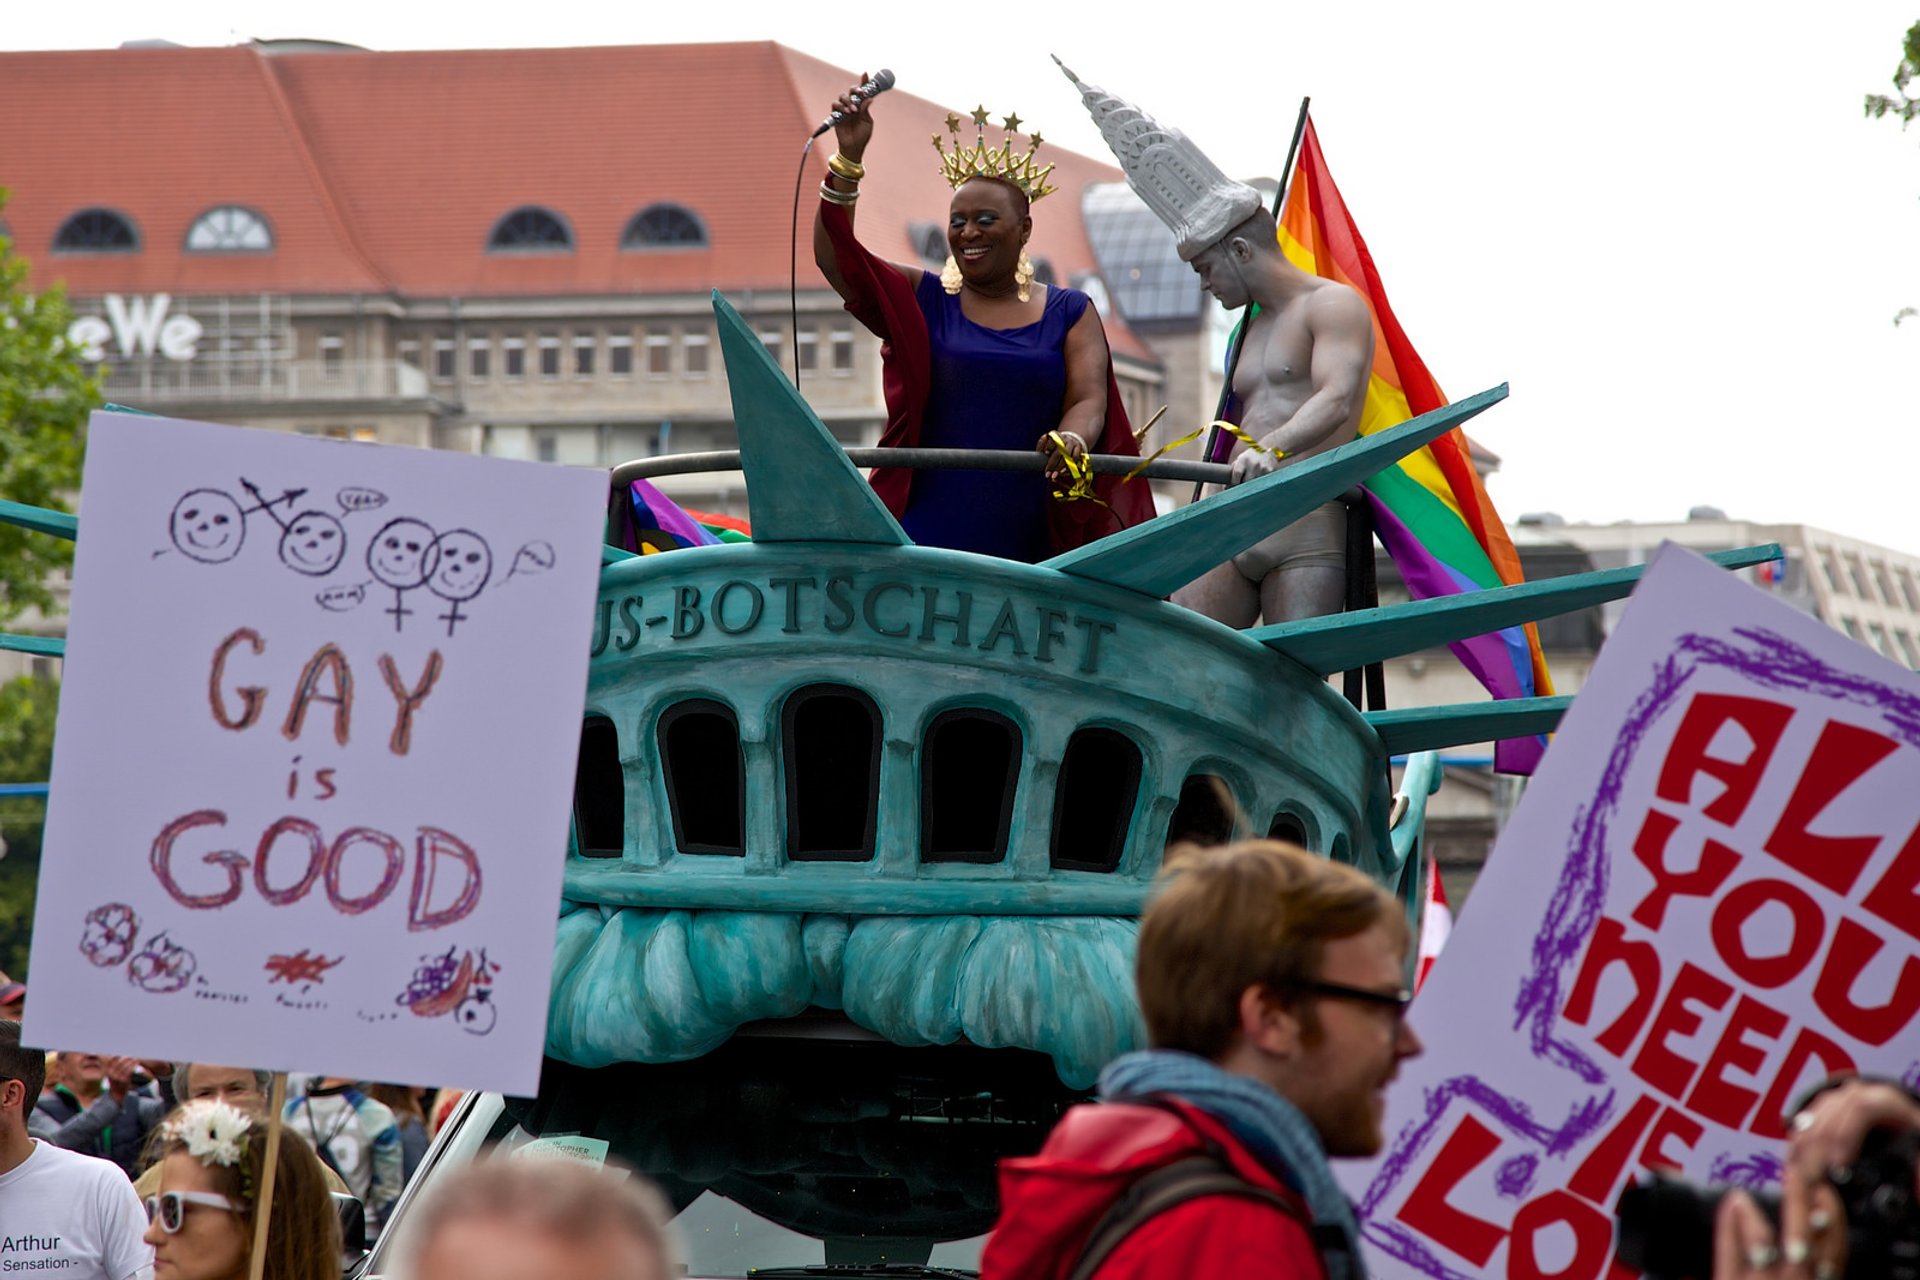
1667,225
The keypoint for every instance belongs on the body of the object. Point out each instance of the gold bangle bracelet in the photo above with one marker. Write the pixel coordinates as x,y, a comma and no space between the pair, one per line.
844,199
841,167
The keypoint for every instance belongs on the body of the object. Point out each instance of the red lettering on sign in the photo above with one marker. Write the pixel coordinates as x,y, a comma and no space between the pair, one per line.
327,660
1729,939
1660,1066
1650,847
1843,755
1854,947
1607,947
1600,1172
1718,1098
1592,1238
1687,757
1673,1123
1427,1210
252,696
316,860
1808,1047
1896,898
161,860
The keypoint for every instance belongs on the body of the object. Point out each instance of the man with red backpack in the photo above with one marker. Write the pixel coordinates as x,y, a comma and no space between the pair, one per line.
1274,986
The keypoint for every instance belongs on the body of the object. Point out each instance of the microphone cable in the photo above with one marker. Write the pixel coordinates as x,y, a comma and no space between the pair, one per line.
793,258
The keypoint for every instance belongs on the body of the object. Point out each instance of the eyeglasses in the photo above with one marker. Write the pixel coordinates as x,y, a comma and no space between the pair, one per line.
169,1208
1397,1001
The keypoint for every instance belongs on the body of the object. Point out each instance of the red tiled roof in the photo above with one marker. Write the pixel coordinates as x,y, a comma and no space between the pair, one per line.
386,172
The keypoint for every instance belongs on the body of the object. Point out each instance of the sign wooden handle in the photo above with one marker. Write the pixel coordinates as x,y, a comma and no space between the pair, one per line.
263,1208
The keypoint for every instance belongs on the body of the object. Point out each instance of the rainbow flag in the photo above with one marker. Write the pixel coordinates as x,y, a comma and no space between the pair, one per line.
647,522
1430,510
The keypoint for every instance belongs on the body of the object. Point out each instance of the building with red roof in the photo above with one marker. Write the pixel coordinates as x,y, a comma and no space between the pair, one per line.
508,251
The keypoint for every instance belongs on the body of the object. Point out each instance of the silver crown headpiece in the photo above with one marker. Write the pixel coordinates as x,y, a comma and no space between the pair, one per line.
1184,189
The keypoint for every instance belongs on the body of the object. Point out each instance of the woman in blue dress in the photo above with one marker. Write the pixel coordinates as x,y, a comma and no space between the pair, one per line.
981,356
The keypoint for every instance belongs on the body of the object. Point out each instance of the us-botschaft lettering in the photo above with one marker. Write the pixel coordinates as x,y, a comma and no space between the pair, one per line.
838,604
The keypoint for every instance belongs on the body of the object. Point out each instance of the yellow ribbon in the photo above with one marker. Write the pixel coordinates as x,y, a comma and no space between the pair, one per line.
1079,475
1195,434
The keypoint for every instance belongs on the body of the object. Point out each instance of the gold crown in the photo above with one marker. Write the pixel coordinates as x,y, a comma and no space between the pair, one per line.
982,161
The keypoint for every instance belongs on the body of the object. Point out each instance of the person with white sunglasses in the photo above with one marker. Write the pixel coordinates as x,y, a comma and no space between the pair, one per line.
212,1160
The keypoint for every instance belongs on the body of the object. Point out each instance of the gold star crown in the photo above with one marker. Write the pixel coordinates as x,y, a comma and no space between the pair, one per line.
983,161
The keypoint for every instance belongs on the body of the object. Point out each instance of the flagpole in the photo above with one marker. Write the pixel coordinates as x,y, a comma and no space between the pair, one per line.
263,1207
1240,333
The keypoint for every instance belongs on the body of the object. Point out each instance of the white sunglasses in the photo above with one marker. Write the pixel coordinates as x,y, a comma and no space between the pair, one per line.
169,1208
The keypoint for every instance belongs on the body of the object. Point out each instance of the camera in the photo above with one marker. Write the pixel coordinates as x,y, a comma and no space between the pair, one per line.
1666,1224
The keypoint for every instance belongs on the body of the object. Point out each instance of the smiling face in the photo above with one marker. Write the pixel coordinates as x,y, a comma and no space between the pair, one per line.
463,565
208,526
401,555
313,544
986,229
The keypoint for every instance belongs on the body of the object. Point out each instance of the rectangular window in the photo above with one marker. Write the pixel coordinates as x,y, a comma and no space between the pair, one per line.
333,356
806,345
513,359
1907,651
549,355
479,357
409,351
583,349
1859,578
620,355
843,348
1884,580
659,353
1852,628
443,359
1907,591
1880,641
1830,566
770,339
696,354
546,446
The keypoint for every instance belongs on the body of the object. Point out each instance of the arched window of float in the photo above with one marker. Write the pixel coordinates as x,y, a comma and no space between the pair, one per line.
830,746
599,791
969,769
706,777
1099,782
1289,827
1206,813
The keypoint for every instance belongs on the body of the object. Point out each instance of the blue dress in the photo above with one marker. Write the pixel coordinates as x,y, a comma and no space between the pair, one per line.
992,389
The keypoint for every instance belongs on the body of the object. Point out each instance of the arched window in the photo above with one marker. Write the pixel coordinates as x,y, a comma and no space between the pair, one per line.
1289,827
97,231
1099,779
665,226
1206,813
599,791
530,229
830,745
229,228
706,777
968,771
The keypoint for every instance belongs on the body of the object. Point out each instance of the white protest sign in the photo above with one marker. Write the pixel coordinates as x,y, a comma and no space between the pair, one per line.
1708,900
314,764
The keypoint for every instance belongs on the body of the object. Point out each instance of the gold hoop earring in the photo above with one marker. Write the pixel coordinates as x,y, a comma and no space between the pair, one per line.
950,276
1023,276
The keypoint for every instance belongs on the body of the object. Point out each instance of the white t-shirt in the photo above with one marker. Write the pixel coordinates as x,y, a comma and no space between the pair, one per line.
71,1216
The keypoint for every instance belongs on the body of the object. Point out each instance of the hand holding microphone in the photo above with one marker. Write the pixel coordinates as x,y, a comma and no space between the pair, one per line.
848,109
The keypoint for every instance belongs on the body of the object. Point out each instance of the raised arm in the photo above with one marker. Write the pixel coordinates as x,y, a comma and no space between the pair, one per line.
851,136
1342,331
1083,416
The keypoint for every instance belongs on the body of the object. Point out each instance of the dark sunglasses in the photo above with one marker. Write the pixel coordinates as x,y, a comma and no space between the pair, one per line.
1397,1001
169,1208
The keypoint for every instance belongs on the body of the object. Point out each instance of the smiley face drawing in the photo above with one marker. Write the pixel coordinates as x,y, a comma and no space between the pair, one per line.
463,562
208,526
314,544
402,556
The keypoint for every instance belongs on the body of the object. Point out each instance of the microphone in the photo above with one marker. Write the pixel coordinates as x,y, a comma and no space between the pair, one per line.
881,82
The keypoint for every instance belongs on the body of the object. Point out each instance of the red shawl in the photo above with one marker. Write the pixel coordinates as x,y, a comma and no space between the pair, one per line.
884,302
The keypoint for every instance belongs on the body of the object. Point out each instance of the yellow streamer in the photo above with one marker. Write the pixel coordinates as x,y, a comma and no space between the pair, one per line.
1195,434
1079,475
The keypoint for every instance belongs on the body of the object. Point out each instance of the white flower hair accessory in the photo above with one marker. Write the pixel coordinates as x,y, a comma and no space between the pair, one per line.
213,1132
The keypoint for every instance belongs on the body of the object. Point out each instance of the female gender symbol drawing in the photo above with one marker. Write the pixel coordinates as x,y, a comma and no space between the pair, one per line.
463,563
402,556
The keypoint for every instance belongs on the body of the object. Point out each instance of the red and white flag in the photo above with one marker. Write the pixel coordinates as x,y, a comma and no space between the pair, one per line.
1436,922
